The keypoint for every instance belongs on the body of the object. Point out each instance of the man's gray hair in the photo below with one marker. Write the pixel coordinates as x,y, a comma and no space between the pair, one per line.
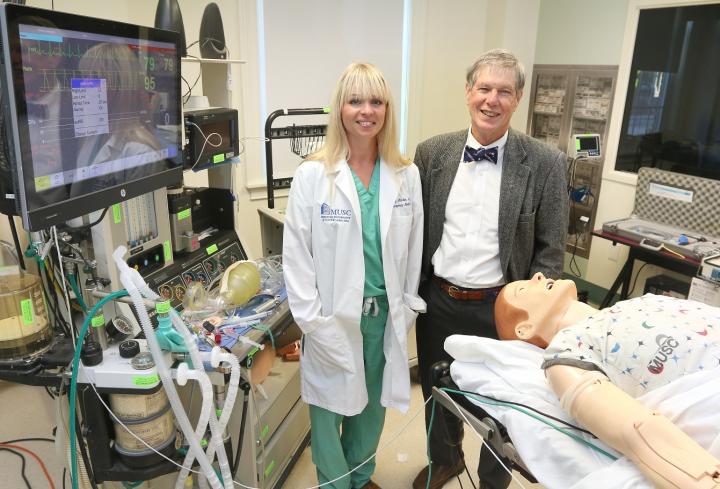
498,58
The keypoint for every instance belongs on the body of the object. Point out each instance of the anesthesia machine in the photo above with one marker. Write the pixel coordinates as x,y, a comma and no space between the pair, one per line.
134,302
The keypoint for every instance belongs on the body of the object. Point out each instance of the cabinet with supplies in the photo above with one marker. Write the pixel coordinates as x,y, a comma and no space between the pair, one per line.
566,100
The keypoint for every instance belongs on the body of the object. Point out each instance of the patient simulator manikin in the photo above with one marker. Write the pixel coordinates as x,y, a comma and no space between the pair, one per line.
537,311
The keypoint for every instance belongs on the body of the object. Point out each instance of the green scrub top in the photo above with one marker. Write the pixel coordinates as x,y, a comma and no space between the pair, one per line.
372,243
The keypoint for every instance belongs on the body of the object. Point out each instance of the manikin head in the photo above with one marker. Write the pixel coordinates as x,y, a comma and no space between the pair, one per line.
534,310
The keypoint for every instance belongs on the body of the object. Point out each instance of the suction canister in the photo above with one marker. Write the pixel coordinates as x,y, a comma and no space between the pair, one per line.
24,326
147,416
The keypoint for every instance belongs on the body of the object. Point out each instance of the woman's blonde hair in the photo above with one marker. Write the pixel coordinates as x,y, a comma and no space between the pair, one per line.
365,81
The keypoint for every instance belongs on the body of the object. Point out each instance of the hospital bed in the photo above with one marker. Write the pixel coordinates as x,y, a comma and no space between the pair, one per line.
510,371
489,429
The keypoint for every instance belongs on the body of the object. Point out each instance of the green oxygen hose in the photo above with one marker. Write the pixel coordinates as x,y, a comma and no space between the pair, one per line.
76,289
73,381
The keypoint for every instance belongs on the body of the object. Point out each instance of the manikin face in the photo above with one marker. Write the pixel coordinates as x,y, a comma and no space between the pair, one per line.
545,301
491,102
363,118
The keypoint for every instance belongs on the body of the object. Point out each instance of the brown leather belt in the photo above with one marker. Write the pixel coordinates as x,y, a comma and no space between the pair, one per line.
465,294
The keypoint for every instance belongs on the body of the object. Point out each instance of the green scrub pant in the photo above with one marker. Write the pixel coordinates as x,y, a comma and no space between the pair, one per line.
334,451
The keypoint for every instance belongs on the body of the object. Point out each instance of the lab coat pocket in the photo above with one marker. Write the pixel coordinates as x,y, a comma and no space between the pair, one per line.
410,317
328,348
400,234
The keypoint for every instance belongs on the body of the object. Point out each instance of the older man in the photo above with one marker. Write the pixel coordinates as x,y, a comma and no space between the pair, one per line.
496,210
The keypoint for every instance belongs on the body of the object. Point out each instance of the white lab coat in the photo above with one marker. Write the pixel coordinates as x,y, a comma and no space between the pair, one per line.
324,272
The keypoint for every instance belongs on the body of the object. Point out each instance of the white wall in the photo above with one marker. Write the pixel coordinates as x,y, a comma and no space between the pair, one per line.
580,32
447,37
307,46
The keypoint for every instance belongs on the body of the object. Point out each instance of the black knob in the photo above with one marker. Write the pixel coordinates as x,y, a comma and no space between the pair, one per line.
91,354
129,348
112,331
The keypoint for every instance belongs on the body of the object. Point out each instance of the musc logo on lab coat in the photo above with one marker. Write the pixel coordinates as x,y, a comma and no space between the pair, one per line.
328,214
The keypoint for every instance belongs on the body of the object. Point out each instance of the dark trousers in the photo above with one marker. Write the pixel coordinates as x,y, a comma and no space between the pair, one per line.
447,316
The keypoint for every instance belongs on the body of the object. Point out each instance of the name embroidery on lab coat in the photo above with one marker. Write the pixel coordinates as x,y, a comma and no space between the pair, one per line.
401,202
328,214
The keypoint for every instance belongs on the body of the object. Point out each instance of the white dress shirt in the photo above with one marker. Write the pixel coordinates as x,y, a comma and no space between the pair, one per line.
469,251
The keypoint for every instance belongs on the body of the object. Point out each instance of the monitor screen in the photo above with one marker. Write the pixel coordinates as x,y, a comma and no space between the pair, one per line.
671,119
588,142
94,107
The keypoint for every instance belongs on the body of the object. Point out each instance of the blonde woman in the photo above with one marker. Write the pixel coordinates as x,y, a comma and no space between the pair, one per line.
351,255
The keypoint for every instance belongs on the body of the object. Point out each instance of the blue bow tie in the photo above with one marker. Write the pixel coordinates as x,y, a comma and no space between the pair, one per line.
480,154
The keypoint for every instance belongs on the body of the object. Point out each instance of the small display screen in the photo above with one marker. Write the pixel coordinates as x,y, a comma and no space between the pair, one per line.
98,106
220,135
588,143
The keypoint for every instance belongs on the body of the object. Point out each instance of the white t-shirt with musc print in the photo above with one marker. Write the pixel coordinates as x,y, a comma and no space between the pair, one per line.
643,343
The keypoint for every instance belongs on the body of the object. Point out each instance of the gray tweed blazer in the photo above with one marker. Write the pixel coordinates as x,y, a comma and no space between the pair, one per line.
534,206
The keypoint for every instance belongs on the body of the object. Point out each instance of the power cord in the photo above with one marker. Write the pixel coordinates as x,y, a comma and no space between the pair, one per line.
186,95
573,195
636,278
22,467
211,40
35,456
65,227
205,142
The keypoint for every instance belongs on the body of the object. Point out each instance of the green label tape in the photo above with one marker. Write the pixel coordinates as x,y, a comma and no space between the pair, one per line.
270,467
27,312
264,431
218,412
42,183
211,249
117,213
577,144
167,250
219,158
162,307
326,110
145,380
97,321
184,214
